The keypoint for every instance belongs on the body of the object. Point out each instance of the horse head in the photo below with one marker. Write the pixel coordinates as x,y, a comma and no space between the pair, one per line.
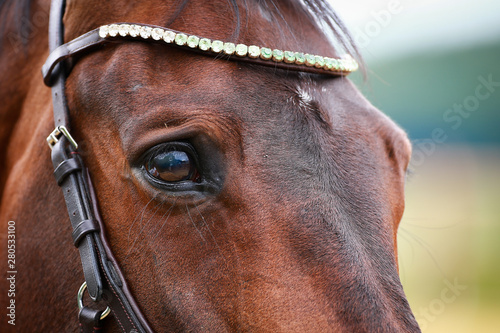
235,197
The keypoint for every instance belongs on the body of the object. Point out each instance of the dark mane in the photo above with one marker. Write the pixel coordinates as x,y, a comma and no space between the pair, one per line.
318,11
323,14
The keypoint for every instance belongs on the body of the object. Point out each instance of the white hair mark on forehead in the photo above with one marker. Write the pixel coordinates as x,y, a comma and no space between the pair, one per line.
304,97
301,97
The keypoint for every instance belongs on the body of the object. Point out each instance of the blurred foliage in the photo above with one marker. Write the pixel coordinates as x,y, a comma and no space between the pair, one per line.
450,233
417,90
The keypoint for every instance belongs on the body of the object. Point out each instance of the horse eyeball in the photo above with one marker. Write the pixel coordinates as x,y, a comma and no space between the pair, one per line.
172,166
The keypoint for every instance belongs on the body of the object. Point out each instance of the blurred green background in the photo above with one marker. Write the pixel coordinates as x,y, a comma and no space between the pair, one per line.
434,67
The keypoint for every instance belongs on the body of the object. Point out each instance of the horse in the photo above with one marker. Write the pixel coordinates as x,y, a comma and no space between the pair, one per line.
232,196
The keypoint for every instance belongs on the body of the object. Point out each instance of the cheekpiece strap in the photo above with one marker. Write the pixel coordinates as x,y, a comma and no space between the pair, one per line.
102,280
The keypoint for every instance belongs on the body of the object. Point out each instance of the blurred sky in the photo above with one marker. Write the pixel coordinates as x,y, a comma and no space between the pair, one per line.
424,57
419,25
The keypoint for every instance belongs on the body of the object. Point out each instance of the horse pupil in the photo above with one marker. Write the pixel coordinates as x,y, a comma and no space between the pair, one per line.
171,166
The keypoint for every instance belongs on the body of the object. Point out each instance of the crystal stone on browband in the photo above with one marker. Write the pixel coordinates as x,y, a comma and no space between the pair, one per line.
345,64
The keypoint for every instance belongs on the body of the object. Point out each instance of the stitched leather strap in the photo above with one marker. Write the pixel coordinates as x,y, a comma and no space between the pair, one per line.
90,320
74,192
56,35
67,50
65,168
103,277
120,299
83,228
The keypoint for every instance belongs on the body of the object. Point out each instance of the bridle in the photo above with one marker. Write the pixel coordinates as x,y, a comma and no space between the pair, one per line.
103,277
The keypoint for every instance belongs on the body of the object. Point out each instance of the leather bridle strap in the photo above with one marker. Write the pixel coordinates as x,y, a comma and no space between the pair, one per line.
118,32
92,39
103,277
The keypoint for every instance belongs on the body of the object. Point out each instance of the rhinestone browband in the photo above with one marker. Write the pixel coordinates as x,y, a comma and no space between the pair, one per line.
117,32
343,65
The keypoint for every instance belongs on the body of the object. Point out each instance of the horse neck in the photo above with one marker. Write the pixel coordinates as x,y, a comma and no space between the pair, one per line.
24,49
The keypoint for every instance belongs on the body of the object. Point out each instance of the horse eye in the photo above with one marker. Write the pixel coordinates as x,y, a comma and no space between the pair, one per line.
172,165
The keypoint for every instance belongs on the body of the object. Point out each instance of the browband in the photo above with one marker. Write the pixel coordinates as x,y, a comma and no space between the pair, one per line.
290,60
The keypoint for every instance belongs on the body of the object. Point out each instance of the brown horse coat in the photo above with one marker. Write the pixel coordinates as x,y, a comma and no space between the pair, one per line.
297,230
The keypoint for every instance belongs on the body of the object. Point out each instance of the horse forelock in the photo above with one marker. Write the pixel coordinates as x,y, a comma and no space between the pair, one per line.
20,15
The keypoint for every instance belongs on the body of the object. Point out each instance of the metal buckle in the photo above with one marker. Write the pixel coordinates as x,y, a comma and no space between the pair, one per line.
56,134
79,301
